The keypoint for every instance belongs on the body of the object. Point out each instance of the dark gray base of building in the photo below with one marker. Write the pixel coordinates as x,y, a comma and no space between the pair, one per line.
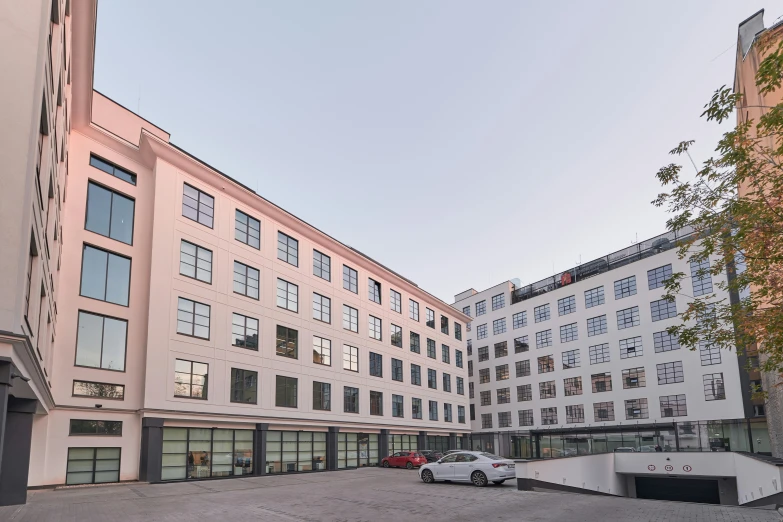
16,428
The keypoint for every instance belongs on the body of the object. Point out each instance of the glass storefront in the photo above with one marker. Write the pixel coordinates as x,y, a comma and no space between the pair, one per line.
438,443
93,465
291,451
403,443
197,453
355,450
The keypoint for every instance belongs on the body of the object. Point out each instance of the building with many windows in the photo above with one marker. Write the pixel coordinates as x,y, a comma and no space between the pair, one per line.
202,331
587,349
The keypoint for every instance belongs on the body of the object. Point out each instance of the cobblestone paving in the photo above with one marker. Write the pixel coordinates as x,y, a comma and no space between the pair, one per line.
374,495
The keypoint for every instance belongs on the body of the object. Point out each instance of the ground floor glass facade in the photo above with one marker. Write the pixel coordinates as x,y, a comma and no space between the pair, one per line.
93,465
403,443
197,453
292,451
357,450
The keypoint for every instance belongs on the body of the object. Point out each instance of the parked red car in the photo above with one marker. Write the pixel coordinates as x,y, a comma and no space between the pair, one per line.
404,459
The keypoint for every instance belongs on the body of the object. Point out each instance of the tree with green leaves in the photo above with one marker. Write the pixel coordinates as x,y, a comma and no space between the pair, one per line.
734,203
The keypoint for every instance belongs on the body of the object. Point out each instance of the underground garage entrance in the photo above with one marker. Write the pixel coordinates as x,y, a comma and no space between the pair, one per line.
705,491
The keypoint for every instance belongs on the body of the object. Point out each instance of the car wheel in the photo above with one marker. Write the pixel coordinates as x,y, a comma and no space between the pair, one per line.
498,482
479,479
385,463
427,476
409,465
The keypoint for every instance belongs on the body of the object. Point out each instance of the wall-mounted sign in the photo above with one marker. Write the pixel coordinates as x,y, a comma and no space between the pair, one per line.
669,467
686,468
651,467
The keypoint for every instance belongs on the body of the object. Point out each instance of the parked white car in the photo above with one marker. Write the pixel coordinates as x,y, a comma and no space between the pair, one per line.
477,467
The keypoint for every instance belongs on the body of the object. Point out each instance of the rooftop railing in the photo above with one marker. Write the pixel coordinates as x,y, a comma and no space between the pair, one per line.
623,257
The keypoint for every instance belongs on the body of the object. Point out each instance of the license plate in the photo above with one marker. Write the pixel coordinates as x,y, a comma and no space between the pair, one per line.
511,466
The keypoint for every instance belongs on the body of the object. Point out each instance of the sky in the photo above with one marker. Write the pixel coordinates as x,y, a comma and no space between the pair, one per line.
460,143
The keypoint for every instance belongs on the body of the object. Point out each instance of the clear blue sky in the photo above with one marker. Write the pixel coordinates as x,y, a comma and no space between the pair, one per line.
459,143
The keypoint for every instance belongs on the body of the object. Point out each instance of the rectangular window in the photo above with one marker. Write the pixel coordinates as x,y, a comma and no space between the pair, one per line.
433,410
466,310
398,407
483,375
350,279
470,368
373,290
105,276
244,332
498,301
549,416
481,331
657,277
634,378
198,206
596,326
521,344
524,392
431,349
631,347
473,413
246,281
244,386
541,313
350,399
501,372
546,364
628,318
470,347
444,325
350,318
504,419
544,339
430,318
286,391
415,408
350,358
601,382
483,354
395,300
376,364
109,213
625,287
396,368
322,396
247,230
447,382
566,305
101,342
461,414
322,351
665,342
594,297
486,421
599,353
190,379
485,398
458,358
458,331
287,249
663,309
287,342
432,379
195,262
112,170
575,414
499,326
568,333
481,308
670,372
523,368
374,326
460,386
519,319
673,406
701,278
445,354
470,389
501,349
413,309
603,411
571,359
95,427
98,389
572,386
416,374
415,342
396,336
714,388
709,354
92,466
525,417
636,409
322,308
322,265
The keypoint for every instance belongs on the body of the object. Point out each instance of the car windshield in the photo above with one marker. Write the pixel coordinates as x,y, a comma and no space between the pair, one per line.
492,456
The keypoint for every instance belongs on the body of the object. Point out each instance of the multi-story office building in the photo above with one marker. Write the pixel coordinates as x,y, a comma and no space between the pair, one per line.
588,348
202,330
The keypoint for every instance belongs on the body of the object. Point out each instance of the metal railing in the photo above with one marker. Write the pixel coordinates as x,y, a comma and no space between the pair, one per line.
623,257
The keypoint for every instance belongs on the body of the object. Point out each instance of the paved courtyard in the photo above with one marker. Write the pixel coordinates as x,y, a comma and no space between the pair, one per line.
361,495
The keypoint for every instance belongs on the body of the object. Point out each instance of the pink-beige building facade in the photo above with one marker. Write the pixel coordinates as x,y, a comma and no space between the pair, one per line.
175,325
